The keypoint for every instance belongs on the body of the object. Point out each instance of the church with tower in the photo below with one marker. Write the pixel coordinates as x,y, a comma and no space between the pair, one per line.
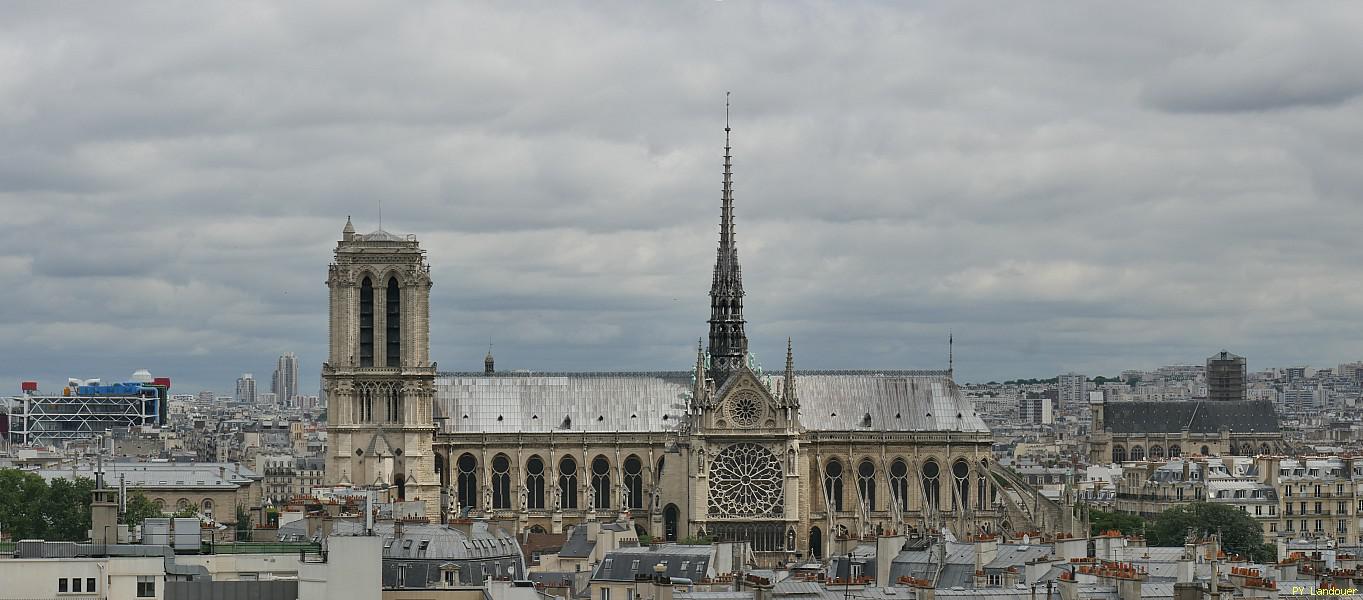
793,461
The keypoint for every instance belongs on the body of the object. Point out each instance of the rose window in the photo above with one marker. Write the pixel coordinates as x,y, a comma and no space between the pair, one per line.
746,481
745,409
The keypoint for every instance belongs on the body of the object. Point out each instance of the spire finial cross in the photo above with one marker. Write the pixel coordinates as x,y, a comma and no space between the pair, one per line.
726,111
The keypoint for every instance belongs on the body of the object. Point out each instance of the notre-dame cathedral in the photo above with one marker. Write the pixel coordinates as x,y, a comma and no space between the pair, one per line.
789,460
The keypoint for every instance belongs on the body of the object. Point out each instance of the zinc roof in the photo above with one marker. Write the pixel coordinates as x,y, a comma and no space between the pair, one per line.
610,402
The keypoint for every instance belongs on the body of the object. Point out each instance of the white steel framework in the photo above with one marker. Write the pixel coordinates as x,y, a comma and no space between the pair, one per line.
55,419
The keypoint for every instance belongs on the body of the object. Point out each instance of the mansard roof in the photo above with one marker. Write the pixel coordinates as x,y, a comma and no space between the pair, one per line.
1200,416
870,400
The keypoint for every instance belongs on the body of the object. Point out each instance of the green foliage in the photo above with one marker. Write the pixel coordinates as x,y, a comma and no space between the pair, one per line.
138,508
1031,381
67,509
188,512
243,524
30,508
1239,532
1126,523
696,541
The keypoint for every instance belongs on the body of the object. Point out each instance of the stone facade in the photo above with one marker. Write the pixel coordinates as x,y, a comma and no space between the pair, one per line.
774,481
378,378
793,462
1138,431
1310,497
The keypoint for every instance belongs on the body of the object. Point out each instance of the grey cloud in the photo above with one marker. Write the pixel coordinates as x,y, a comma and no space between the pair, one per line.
1275,66
1063,187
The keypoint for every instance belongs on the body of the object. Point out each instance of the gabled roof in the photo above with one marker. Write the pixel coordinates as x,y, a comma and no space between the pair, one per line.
1200,416
888,400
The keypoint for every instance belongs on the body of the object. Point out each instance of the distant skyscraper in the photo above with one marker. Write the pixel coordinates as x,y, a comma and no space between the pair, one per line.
284,384
1226,376
207,396
1073,389
246,389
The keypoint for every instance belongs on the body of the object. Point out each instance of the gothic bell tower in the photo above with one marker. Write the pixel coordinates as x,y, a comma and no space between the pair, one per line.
379,379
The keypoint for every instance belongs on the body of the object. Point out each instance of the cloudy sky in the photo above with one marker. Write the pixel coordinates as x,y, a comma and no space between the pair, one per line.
1065,186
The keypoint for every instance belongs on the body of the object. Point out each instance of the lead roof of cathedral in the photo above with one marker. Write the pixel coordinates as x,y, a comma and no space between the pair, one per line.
868,400
1202,416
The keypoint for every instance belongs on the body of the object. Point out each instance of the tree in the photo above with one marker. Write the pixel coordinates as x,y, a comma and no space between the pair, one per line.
138,508
1239,532
66,509
188,512
1101,521
32,508
21,499
243,524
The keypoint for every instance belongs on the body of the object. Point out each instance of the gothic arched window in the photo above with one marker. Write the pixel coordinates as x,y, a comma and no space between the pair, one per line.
534,483
392,402
866,483
1156,452
1137,452
567,482
981,493
393,318
466,486
899,483
1175,451
366,323
832,484
363,409
601,482
634,482
960,470
1118,453
501,481
932,484
671,516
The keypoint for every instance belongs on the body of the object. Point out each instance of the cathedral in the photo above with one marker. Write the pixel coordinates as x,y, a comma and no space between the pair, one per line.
792,461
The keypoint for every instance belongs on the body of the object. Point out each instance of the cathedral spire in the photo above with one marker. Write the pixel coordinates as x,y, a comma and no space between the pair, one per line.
788,390
728,340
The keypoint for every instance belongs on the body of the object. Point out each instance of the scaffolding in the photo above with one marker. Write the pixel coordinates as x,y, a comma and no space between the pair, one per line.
35,419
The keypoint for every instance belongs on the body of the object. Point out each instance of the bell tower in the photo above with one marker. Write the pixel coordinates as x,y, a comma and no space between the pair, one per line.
379,379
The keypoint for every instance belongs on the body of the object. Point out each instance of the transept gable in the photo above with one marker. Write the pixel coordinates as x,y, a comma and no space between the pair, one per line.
744,402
